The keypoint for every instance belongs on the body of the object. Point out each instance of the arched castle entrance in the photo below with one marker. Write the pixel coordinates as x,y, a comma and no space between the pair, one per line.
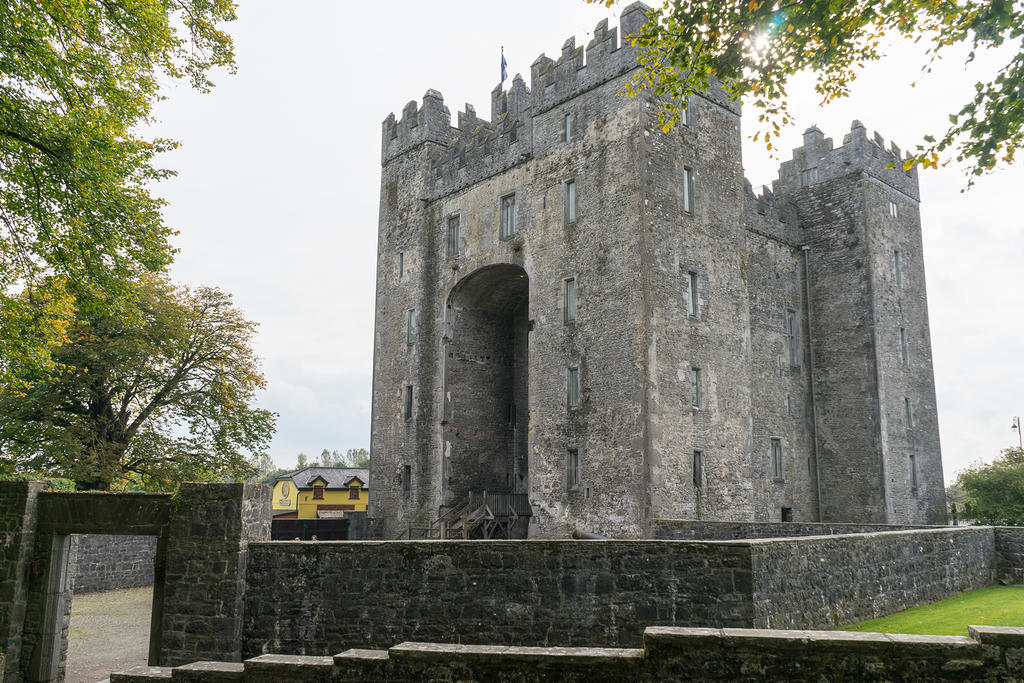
486,384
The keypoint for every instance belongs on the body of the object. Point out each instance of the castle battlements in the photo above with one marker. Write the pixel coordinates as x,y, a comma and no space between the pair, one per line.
476,147
817,160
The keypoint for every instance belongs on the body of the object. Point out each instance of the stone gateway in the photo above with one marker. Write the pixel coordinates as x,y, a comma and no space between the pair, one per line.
599,323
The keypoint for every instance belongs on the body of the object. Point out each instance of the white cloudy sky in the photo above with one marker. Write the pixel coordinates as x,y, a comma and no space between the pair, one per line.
276,199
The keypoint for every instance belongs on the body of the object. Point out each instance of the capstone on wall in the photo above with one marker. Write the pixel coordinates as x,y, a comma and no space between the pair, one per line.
722,355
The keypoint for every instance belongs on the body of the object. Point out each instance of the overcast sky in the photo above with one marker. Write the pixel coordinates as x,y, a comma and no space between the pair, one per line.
279,170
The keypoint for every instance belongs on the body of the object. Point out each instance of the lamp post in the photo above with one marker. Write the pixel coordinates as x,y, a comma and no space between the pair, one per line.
1016,425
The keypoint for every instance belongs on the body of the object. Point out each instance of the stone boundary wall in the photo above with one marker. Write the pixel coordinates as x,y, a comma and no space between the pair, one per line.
830,581
1010,553
107,562
319,598
593,593
668,654
700,530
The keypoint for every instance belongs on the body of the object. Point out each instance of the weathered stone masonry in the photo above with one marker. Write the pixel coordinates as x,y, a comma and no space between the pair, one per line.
104,562
199,568
806,331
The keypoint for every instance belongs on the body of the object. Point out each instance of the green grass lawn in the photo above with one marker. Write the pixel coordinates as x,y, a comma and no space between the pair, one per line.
992,606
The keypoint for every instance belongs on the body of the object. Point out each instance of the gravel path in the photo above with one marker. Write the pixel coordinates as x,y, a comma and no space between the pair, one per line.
109,632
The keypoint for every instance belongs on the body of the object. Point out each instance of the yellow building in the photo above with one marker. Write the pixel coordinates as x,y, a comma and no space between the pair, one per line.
321,492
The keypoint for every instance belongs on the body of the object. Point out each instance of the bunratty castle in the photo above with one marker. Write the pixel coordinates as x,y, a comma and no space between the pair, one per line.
598,323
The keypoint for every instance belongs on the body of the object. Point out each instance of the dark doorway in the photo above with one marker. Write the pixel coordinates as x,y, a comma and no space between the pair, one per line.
486,384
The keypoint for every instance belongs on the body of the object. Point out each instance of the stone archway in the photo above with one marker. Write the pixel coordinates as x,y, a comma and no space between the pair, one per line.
486,383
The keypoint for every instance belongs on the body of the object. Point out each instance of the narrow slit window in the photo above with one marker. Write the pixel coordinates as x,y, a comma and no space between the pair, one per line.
897,266
570,300
893,211
695,396
572,469
574,387
407,478
452,241
692,308
401,265
913,472
688,189
570,201
408,402
776,458
567,128
904,350
410,326
684,112
793,337
508,216
908,408
698,469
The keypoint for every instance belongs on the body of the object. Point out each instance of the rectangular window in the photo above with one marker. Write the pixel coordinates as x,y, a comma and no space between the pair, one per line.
787,514
508,216
574,387
572,469
570,300
776,458
909,410
695,387
698,469
407,478
570,201
897,266
512,413
904,351
401,264
789,406
684,112
913,472
410,326
408,402
567,128
318,493
892,209
452,241
691,295
353,493
808,177
793,337
688,189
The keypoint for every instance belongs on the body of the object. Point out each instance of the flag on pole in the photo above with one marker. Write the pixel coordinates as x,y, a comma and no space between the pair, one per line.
504,64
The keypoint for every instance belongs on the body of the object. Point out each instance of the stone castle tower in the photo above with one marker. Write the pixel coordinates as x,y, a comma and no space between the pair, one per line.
603,318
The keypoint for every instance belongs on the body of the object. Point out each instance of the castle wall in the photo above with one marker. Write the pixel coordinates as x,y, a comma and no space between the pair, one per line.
107,562
594,593
865,576
793,334
708,241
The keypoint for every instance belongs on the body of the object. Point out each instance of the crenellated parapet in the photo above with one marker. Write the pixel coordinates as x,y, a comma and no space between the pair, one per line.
817,160
429,122
475,147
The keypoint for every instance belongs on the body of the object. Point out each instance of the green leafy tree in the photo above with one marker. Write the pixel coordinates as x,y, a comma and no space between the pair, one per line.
995,493
752,47
302,461
148,404
357,457
78,222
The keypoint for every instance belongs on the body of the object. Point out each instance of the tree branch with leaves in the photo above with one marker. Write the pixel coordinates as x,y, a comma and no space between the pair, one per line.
78,221
164,398
751,48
